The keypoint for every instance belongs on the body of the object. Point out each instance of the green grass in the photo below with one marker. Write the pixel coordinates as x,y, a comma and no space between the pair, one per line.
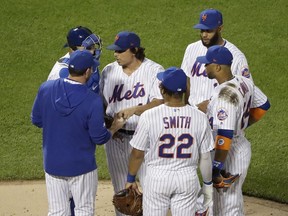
34,31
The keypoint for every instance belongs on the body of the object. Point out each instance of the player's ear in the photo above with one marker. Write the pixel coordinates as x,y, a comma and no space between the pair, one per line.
162,90
220,28
87,73
218,67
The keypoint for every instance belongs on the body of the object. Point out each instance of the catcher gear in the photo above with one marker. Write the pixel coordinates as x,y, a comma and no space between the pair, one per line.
91,41
77,35
128,202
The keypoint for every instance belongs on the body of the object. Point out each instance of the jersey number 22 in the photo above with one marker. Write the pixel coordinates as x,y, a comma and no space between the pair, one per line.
184,141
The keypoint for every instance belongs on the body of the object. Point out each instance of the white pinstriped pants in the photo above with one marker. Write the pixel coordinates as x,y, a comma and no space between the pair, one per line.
83,189
230,203
117,154
174,190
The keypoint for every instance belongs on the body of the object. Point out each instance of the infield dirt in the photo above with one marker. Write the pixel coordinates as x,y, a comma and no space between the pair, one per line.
25,198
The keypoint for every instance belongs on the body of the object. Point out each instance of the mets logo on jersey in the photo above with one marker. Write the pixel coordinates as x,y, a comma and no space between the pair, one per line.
245,72
222,114
204,17
220,142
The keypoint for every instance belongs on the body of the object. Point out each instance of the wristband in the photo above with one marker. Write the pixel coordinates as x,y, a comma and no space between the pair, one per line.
131,178
218,165
207,183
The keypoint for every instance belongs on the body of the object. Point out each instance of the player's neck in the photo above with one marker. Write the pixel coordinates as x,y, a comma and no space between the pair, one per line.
133,66
80,79
226,78
220,42
174,102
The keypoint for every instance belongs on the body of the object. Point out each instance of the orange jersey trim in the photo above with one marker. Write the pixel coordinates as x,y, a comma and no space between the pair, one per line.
222,142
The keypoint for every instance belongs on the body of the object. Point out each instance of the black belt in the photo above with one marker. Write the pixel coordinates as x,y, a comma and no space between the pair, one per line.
128,132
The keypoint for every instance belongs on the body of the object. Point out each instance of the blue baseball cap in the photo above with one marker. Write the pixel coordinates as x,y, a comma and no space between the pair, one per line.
125,40
174,79
77,35
209,19
82,60
217,55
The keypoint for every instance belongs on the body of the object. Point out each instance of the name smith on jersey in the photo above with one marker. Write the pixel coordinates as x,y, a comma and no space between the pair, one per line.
177,122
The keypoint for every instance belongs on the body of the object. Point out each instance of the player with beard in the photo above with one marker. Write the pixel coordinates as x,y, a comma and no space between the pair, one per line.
199,87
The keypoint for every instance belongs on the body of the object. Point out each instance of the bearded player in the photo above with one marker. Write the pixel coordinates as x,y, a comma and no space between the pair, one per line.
199,86
129,86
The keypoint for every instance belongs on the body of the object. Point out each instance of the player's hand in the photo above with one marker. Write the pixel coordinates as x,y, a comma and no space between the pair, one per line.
207,191
118,123
133,186
203,106
127,113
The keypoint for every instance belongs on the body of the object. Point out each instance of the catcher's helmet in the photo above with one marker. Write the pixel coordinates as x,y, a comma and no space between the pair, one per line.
95,41
77,35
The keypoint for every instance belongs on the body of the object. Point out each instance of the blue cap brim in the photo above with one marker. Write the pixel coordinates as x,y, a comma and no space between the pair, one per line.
203,60
204,27
160,76
114,47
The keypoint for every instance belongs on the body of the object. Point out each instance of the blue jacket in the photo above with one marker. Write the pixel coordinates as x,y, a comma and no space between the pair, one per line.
72,119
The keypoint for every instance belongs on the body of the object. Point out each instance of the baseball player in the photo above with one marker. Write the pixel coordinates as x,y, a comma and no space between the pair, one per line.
65,109
129,87
235,104
199,87
79,38
175,136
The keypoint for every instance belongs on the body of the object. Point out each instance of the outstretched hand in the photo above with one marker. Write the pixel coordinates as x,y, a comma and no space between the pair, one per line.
126,113
134,186
118,123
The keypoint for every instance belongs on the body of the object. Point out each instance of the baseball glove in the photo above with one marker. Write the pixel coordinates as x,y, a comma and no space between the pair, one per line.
226,181
128,202
108,121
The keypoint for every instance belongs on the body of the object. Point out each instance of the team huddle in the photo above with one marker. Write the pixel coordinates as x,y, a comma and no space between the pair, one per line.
166,124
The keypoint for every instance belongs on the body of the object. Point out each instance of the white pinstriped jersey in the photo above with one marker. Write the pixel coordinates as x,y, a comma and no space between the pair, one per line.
228,109
175,136
121,91
201,87
231,102
54,73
